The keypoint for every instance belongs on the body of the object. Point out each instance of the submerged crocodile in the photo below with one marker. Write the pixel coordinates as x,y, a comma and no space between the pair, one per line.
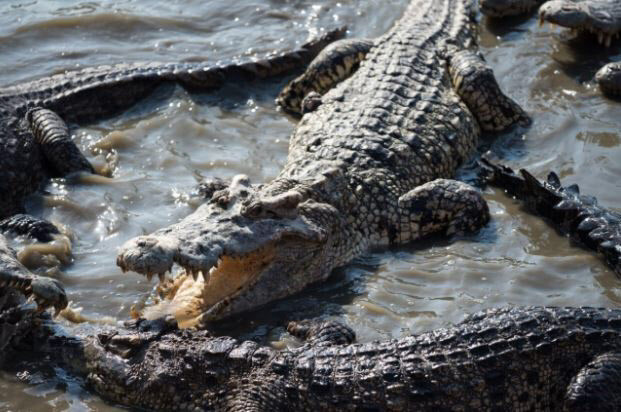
35,142
535,359
369,165
599,17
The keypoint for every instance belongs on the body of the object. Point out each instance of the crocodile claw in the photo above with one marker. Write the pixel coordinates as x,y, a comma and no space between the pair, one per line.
49,292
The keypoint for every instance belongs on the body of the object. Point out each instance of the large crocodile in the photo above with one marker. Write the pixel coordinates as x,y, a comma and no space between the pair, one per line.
599,17
368,165
518,359
35,141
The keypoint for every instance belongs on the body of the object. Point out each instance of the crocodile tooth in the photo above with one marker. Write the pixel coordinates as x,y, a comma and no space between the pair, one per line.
194,274
206,275
608,40
600,37
458,82
149,276
162,277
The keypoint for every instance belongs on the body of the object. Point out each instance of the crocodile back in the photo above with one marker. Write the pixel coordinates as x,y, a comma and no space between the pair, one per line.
376,123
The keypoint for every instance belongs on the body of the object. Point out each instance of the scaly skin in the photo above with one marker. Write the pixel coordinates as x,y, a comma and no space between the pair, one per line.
33,132
578,216
35,142
367,166
16,284
507,359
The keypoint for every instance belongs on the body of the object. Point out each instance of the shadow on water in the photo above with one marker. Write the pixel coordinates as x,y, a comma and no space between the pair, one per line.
322,300
328,299
508,27
580,56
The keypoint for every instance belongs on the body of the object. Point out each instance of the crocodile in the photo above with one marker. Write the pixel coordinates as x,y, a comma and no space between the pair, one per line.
384,125
576,215
599,17
511,358
35,142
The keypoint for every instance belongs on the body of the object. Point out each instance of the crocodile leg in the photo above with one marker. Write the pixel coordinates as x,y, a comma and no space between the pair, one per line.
596,386
30,226
50,241
475,83
335,63
52,135
47,292
442,206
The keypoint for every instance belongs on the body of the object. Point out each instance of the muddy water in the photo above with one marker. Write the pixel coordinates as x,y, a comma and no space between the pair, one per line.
161,148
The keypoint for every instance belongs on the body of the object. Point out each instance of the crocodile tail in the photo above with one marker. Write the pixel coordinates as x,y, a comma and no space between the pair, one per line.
578,216
273,65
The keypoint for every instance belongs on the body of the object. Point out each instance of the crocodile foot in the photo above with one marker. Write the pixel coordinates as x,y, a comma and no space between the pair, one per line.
46,292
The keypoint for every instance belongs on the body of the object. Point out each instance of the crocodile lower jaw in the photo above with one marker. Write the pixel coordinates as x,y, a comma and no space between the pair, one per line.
192,293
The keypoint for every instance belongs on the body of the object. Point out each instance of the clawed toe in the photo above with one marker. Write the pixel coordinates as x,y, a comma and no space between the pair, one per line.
48,292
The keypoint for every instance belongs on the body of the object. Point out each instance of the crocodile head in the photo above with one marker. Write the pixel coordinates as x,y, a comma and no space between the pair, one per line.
603,18
241,249
502,8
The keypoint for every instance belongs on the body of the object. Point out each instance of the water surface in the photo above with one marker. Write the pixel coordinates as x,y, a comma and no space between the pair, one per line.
160,149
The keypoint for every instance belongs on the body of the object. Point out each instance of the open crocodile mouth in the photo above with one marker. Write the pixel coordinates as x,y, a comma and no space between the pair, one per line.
596,24
192,295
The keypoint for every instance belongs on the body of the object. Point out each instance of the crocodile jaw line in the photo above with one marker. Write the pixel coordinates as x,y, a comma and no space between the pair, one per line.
194,292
